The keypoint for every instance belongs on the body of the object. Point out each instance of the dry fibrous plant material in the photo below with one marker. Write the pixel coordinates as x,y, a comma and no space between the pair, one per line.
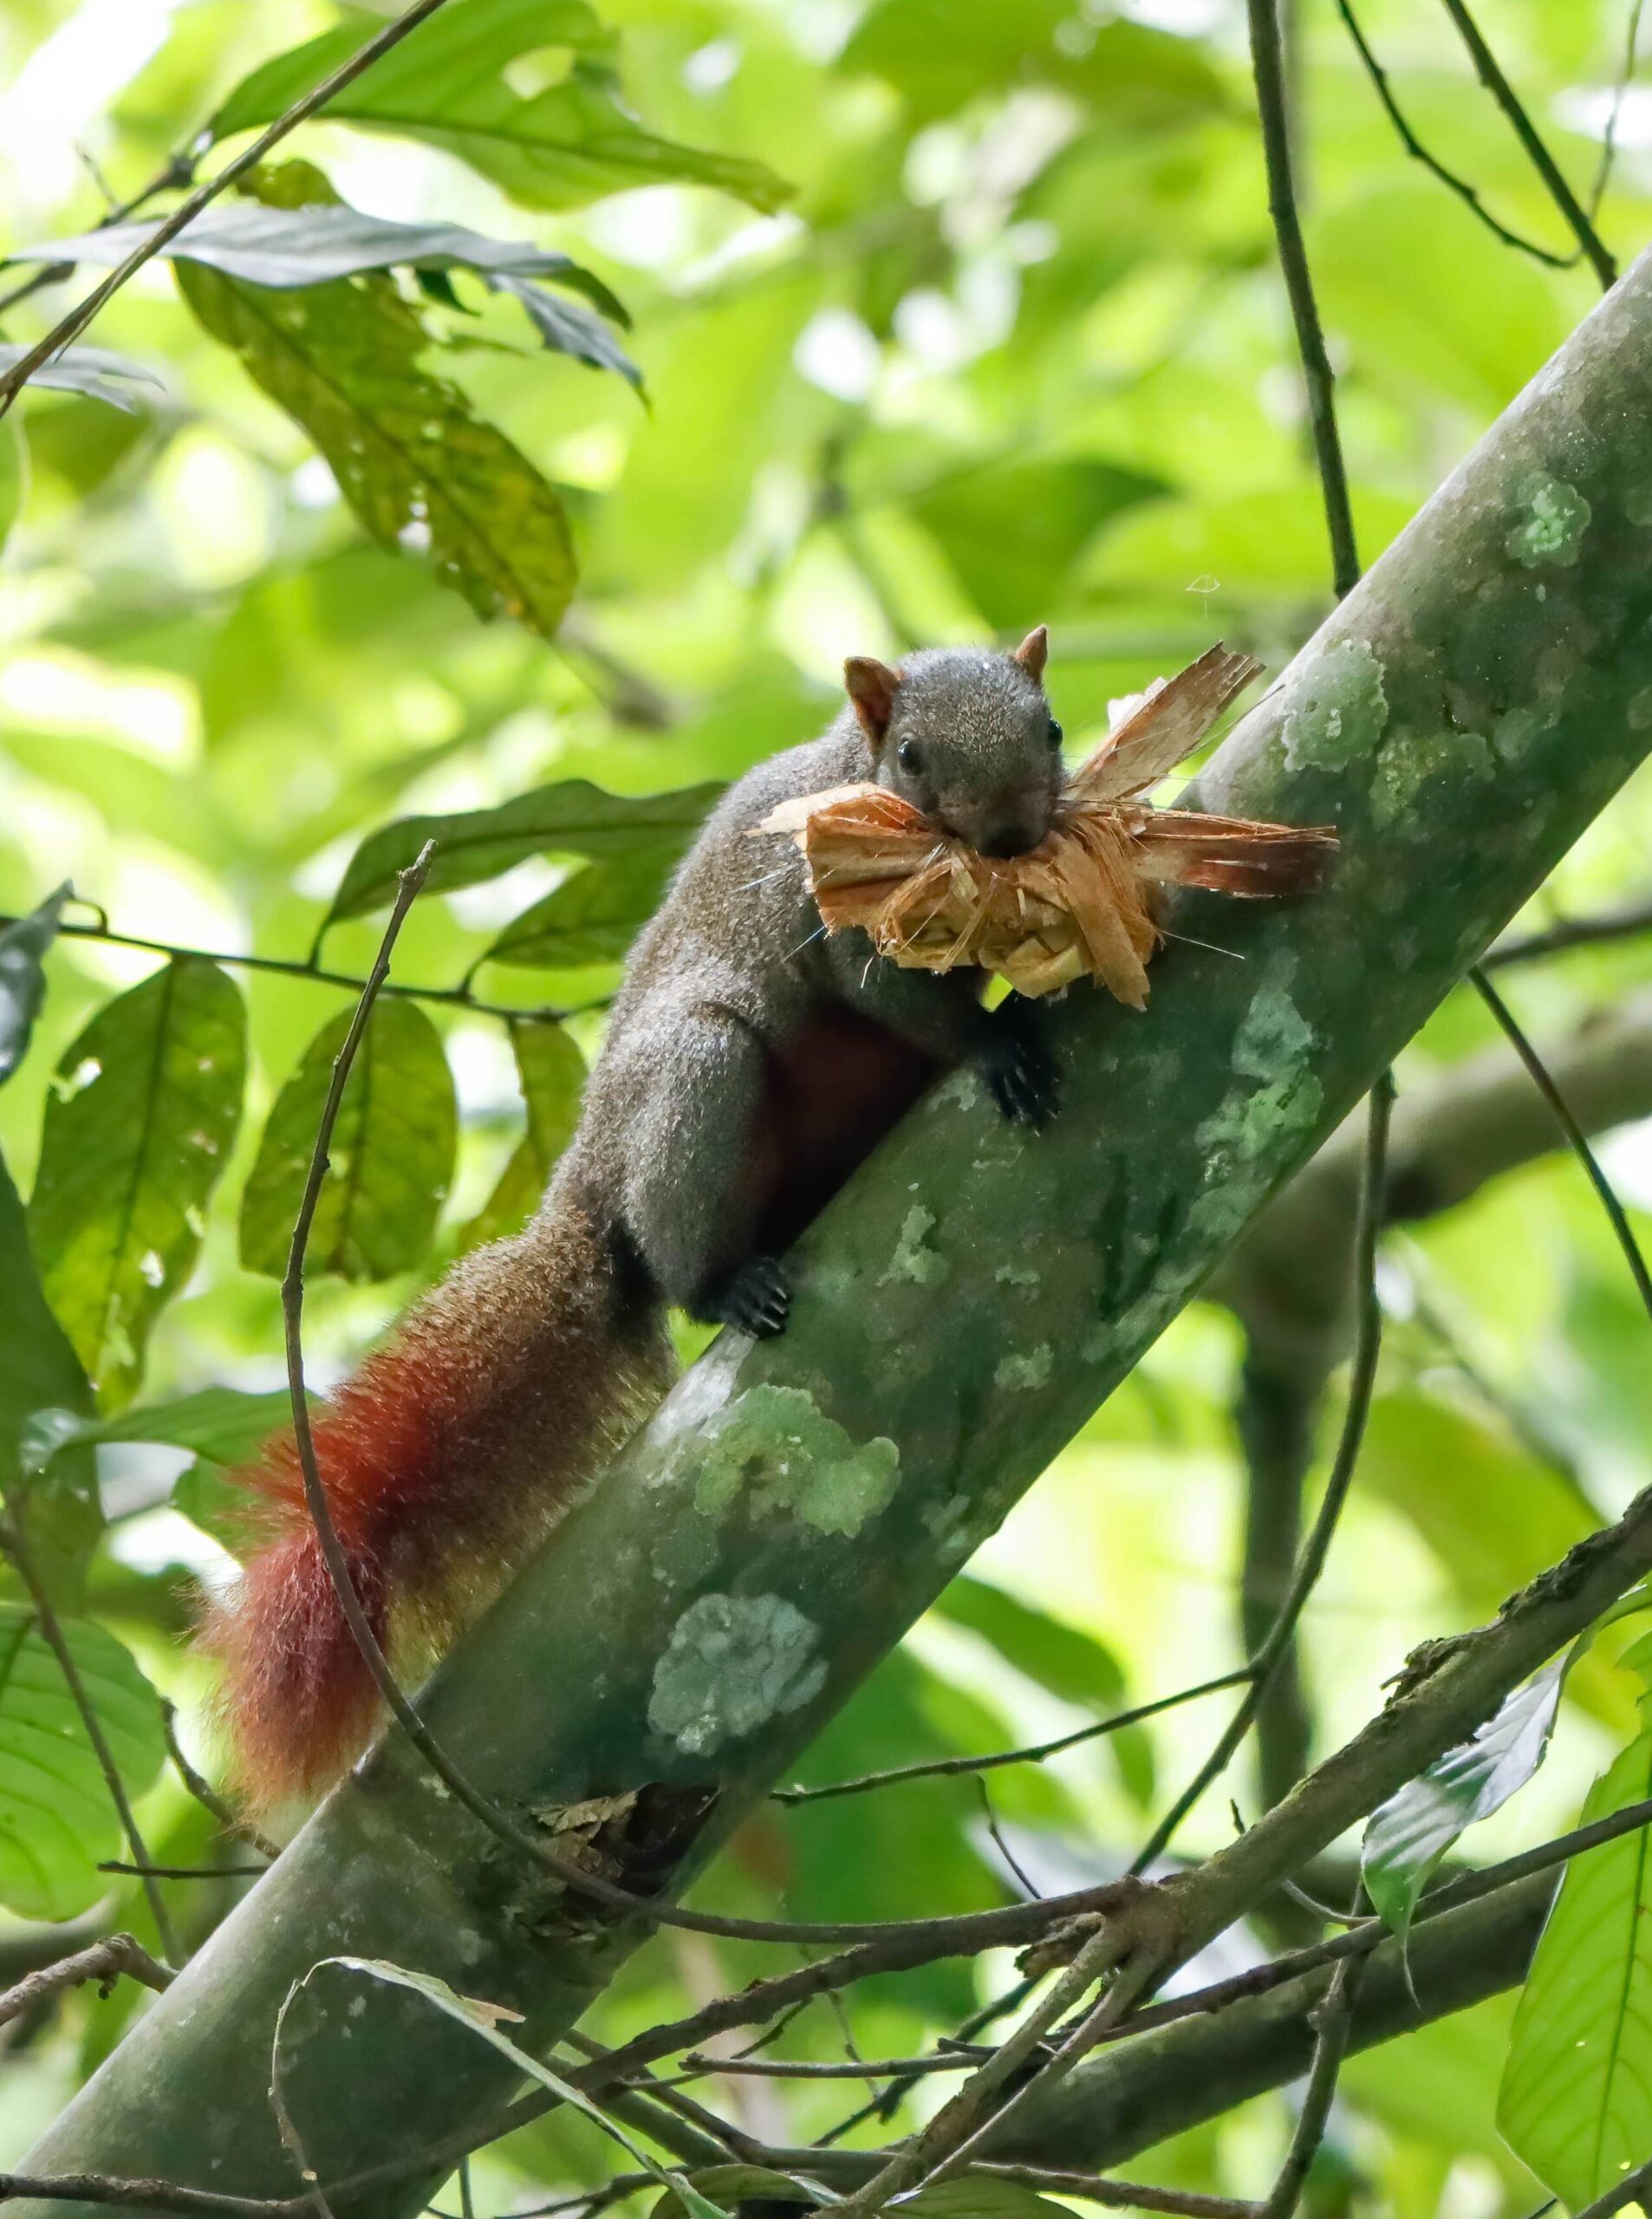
1082,901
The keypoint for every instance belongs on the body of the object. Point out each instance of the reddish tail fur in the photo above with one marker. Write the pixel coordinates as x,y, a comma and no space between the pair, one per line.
445,1459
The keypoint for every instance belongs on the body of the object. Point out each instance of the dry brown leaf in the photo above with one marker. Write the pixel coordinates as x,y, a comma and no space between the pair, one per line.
1080,902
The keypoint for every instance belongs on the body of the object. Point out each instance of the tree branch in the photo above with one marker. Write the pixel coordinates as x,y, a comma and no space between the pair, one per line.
103,1962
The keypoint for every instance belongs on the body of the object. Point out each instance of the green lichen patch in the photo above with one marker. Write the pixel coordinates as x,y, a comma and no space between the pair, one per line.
1337,711
1521,727
1407,767
914,1258
1273,1034
1020,1276
1551,531
733,1662
775,1449
1026,1374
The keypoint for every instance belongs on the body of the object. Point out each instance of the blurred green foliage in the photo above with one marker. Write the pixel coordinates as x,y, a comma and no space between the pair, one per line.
953,315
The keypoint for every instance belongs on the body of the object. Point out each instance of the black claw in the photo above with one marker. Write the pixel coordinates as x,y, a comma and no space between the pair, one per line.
1021,1074
756,1299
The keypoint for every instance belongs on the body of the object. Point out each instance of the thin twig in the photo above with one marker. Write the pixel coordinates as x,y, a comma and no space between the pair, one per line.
143,1871
145,2195
104,1962
1035,1754
1268,63
1465,192
178,172
290,968
877,2068
1331,2022
1367,1340
207,1796
69,327
1491,75
1615,113
1577,1140
1627,923
14,1546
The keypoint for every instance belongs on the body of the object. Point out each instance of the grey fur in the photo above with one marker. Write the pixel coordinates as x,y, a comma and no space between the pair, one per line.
735,963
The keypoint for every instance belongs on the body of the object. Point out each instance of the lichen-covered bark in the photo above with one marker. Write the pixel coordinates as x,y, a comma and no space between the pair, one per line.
960,1311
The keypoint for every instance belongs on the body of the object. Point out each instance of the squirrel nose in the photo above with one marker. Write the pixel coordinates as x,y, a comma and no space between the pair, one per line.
1014,837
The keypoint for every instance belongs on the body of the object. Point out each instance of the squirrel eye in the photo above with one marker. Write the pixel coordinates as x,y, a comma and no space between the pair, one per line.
908,757
1054,733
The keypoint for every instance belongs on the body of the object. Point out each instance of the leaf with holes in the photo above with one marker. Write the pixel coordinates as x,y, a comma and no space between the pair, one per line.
468,81
92,372
1576,2104
593,916
23,979
390,1163
1407,1836
423,474
62,1517
56,1818
139,1126
574,817
551,1073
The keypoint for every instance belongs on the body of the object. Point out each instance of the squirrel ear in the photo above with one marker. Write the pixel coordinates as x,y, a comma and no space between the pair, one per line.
1033,653
872,686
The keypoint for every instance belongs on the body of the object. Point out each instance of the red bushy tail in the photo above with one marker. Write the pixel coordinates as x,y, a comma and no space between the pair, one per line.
444,1461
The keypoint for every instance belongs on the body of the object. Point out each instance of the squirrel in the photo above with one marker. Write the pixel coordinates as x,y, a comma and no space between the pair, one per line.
751,1062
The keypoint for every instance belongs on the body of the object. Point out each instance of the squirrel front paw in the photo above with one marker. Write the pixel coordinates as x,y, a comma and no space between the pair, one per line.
1019,1069
755,1300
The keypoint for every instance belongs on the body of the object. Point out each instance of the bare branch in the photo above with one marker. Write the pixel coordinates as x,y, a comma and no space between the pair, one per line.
104,1962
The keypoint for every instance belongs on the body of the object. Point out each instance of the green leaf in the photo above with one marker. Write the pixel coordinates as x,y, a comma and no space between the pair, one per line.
1069,1663
483,2019
138,1129
1576,2104
574,817
1407,1836
981,2199
593,916
943,53
92,372
223,1424
61,1516
422,471
23,980
551,1073
286,245
56,1819
555,145
392,1156
736,2184
569,328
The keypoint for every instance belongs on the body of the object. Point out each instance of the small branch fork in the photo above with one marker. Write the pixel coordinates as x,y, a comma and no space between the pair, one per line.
103,1962
69,327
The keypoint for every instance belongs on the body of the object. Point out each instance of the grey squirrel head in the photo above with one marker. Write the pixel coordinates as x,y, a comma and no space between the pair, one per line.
966,736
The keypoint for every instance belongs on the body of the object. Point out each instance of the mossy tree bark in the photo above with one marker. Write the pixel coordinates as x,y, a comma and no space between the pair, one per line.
961,1310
